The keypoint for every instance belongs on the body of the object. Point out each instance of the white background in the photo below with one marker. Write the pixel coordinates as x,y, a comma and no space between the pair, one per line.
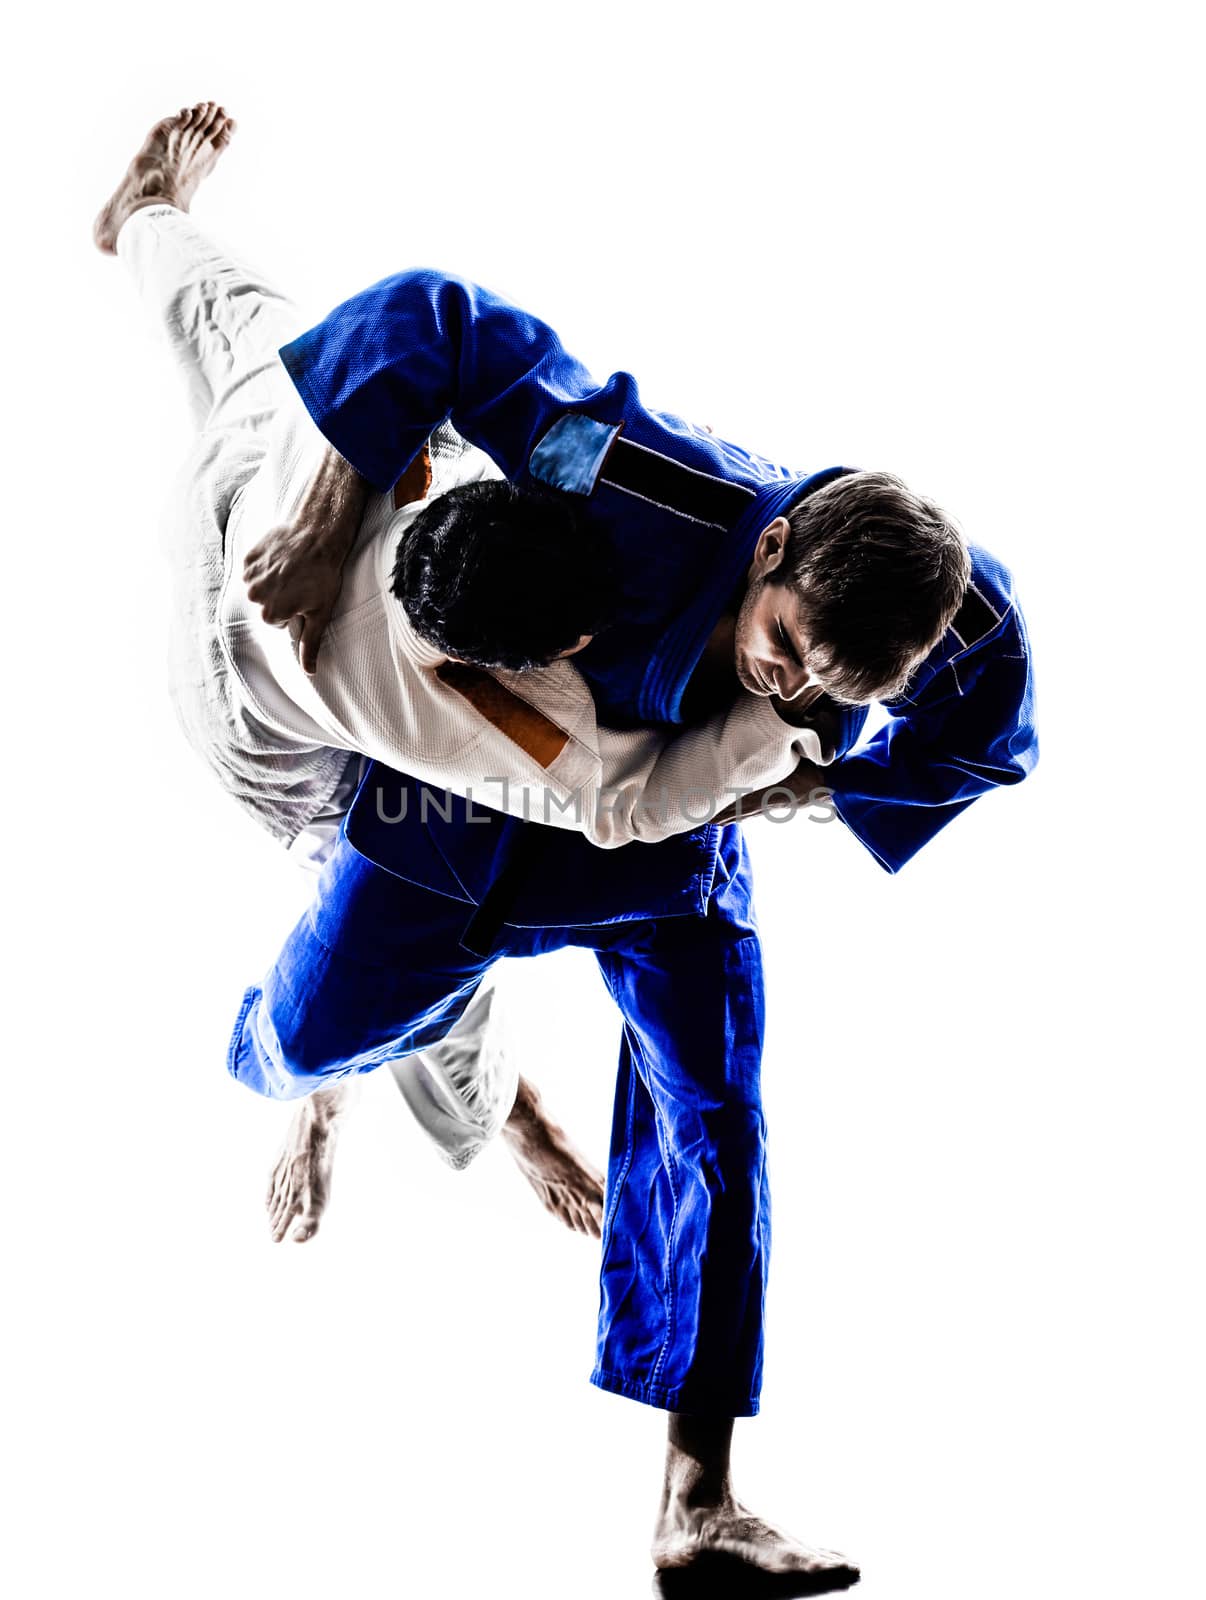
952,241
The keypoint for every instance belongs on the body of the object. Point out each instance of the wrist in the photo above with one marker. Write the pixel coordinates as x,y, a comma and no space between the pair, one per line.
332,506
323,540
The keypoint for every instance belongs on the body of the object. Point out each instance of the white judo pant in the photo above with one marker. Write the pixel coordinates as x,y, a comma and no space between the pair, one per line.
225,323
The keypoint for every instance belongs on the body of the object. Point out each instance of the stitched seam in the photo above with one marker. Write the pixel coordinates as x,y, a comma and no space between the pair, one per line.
627,1167
662,506
671,1306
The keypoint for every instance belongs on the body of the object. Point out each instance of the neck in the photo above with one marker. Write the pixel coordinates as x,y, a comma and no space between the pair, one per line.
713,684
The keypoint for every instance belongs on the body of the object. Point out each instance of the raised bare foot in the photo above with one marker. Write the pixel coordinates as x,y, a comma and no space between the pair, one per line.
175,156
301,1180
727,1541
565,1181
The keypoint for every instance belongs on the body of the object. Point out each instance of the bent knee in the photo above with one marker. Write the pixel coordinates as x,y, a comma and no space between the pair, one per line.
276,1065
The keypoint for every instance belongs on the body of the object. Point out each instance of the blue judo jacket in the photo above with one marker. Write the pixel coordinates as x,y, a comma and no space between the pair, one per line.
683,511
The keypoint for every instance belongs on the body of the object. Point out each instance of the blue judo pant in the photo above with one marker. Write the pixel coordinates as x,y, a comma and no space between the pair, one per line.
375,970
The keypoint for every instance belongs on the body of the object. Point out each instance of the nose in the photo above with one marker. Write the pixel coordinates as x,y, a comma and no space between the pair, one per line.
791,679
801,688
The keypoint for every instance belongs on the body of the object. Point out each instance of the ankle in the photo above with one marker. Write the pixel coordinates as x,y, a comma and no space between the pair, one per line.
324,1108
526,1111
687,1491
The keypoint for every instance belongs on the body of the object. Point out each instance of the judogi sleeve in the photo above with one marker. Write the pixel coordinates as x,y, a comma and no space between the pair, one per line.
388,366
652,788
970,728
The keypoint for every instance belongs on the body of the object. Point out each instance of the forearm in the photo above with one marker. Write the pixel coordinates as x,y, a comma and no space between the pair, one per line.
805,786
652,788
296,568
328,517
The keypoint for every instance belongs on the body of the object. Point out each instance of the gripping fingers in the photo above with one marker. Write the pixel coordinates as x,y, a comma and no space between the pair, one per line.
270,614
313,627
260,590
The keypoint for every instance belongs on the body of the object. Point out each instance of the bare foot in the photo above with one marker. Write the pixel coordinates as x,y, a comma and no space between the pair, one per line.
705,1533
175,156
728,1540
566,1183
301,1180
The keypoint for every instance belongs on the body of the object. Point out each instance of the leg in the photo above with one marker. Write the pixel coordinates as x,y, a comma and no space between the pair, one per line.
301,1180
465,1089
175,156
372,972
224,321
455,1087
566,1184
462,1090
703,1529
687,1231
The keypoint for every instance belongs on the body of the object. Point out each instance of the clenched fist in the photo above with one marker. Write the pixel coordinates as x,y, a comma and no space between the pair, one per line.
293,572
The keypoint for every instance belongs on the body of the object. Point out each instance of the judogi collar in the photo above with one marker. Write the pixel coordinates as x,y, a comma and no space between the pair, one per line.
678,647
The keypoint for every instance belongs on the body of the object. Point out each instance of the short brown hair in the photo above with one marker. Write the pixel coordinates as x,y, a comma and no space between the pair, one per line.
880,573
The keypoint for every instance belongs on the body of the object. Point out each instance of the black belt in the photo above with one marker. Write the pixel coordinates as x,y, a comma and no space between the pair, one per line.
486,923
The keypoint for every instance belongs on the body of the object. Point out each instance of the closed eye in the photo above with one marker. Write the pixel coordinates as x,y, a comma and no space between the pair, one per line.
790,648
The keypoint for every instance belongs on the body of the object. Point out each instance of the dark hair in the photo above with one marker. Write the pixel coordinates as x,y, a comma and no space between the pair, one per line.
880,574
502,576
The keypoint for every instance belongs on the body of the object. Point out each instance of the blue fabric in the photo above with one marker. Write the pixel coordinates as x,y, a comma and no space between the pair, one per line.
389,365
460,851
675,651
966,726
375,969
571,453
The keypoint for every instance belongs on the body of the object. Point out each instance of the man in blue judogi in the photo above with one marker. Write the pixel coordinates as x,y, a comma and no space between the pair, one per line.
383,962
718,572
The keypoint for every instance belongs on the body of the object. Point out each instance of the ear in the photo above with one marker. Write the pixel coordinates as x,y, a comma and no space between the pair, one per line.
574,648
769,551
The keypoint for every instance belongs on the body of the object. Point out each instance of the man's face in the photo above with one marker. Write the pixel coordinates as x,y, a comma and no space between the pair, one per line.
770,645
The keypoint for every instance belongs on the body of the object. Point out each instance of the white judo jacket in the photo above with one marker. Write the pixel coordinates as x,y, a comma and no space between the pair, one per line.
528,744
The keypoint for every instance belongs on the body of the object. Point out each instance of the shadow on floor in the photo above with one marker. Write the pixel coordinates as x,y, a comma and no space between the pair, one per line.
723,1577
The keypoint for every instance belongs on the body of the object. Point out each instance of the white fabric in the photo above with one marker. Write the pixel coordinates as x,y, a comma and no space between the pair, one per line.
461,1091
224,324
